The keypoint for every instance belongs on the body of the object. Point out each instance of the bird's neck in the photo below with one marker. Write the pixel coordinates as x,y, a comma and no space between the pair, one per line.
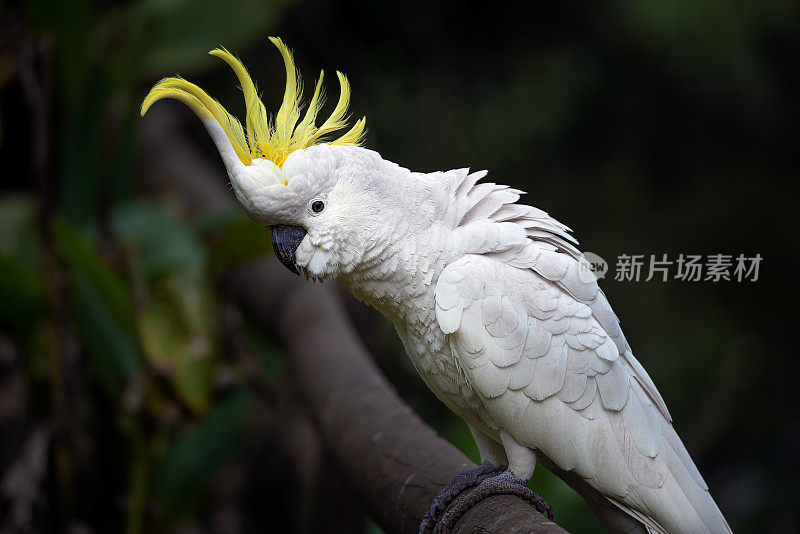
400,277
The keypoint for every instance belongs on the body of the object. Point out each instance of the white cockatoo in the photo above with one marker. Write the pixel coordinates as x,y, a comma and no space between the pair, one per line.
488,296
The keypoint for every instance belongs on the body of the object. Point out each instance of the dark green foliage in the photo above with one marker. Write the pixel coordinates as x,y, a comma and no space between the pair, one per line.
649,127
195,454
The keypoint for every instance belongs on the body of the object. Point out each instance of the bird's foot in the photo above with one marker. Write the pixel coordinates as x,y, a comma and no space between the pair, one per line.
465,479
503,484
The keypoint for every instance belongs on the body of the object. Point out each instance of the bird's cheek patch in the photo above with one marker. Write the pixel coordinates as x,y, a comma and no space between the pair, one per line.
318,262
304,252
321,263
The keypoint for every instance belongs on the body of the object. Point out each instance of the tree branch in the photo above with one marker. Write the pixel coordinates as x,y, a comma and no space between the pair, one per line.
391,459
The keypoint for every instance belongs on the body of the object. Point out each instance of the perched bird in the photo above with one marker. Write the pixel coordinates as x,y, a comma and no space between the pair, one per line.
487,296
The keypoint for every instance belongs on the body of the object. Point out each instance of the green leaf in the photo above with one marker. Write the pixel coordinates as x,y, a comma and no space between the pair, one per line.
82,146
180,33
101,306
20,236
21,291
178,336
195,454
80,257
233,239
21,296
70,24
162,242
178,323
111,348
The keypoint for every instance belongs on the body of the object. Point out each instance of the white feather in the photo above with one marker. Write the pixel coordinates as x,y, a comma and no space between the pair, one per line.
485,295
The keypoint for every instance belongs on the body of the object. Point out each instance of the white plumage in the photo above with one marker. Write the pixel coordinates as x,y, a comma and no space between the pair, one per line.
485,294
534,354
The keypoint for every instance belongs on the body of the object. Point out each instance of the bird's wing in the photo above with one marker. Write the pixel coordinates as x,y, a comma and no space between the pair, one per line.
555,254
549,374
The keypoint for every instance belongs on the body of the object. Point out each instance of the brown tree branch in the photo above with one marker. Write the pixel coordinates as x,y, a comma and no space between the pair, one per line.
393,460
390,458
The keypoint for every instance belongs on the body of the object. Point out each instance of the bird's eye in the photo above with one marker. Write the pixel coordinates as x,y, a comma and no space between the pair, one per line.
317,206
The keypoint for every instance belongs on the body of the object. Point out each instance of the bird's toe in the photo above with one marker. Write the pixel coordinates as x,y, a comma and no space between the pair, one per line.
503,484
462,481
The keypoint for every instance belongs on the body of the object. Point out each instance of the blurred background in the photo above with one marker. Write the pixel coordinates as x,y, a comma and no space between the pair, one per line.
135,397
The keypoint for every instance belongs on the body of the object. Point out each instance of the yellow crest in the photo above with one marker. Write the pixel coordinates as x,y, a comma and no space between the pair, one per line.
274,139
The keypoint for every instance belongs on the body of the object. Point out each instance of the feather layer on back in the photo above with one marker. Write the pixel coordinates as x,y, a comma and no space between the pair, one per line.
551,366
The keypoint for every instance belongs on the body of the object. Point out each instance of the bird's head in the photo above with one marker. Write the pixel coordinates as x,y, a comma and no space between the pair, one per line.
315,195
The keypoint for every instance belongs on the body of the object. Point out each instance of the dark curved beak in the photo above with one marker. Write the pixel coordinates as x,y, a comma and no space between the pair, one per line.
285,240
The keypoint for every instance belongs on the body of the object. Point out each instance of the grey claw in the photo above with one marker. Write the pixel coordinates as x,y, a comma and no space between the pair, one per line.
503,484
462,481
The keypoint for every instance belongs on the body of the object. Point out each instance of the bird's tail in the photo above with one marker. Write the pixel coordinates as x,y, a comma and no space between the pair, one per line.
683,503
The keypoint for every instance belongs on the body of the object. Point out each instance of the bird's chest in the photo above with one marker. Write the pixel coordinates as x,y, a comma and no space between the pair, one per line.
406,296
430,353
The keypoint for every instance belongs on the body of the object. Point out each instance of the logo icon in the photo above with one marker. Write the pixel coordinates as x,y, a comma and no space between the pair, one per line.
591,267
